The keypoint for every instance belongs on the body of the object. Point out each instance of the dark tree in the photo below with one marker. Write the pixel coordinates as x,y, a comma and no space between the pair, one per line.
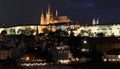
101,34
4,32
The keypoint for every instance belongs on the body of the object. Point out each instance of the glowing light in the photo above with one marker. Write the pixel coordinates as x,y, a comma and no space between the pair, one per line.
105,60
64,61
84,41
109,59
84,50
33,64
27,58
113,59
118,56
77,59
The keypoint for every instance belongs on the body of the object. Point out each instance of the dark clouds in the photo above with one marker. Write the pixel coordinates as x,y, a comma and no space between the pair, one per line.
28,11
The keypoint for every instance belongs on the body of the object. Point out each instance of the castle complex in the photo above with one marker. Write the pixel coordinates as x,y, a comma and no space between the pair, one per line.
52,21
49,20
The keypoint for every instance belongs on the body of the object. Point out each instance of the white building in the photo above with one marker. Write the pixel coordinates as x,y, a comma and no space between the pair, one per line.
92,31
95,28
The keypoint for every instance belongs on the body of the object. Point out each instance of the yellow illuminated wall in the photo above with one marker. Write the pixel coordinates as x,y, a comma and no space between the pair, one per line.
108,30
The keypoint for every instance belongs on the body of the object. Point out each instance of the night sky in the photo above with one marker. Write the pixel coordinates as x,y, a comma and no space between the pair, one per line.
28,11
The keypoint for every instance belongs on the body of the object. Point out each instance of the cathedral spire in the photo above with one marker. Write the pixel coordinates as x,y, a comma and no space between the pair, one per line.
42,18
42,15
56,12
49,8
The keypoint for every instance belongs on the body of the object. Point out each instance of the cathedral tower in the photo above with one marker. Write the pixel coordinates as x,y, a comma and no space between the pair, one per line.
42,22
48,15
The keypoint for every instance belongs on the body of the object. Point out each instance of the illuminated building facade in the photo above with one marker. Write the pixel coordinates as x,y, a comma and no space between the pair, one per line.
50,20
95,28
85,30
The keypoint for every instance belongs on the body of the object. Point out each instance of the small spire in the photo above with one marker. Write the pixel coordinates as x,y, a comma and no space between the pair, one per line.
56,12
93,22
49,8
42,13
97,22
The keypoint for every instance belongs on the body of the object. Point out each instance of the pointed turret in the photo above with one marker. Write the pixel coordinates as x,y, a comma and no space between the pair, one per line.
42,18
93,22
56,12
48,9
42,14
97,22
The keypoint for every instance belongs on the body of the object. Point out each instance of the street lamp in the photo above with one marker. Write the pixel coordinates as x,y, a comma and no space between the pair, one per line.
84,41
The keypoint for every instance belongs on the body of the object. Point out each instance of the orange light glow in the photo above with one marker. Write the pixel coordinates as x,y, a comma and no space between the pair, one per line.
27,58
